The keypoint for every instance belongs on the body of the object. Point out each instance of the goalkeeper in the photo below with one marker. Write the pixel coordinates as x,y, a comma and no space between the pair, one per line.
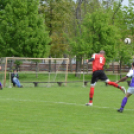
98,73
15,79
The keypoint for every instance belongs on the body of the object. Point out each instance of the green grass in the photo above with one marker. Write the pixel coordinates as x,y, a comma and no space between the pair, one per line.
62,110
44,76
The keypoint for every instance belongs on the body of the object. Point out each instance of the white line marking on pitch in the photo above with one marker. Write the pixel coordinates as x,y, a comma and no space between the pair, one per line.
66,103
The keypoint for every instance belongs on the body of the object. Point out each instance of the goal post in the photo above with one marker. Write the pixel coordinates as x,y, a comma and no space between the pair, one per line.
47,70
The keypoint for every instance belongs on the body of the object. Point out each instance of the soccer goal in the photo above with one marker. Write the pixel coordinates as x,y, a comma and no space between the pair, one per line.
43,72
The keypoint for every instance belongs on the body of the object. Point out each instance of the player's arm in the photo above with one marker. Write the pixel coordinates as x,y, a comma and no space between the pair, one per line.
129,74
122,79
91,59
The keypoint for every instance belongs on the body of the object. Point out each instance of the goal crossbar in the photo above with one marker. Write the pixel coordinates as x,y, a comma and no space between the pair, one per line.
23,58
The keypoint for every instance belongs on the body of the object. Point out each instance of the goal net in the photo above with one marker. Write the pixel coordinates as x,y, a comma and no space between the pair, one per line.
43,72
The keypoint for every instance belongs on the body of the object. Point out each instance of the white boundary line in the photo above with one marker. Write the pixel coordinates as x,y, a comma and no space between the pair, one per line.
66,103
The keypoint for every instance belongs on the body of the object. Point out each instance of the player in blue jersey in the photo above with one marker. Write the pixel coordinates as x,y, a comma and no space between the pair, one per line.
130,90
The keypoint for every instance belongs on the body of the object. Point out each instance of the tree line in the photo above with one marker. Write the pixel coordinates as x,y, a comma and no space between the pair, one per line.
66,28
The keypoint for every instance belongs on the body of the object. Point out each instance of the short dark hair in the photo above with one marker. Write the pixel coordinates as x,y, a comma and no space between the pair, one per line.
133,64
102,52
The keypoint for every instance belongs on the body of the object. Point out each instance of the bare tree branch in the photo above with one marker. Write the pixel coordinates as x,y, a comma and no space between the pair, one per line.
117,10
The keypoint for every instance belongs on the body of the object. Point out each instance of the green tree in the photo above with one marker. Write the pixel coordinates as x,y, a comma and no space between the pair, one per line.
114,8
22,30
99,34
124,21
57,19
3,3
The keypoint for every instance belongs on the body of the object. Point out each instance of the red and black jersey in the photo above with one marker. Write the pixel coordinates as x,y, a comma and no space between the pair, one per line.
98,62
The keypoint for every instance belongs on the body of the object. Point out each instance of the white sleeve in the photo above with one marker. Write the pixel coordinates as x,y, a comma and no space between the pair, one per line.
130,73
93,56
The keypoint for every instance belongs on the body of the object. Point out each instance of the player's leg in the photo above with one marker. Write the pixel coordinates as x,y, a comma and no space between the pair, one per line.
16,81
0,85
115,85
130,91
123,103
105,78
91,92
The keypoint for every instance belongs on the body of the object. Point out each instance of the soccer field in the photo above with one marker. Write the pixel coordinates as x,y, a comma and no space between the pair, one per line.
62,110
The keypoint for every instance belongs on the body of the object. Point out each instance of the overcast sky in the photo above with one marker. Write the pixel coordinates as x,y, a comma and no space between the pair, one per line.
125,2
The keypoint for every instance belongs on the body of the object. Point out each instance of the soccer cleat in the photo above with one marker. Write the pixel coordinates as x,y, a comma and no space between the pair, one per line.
120,110
89,104
123,89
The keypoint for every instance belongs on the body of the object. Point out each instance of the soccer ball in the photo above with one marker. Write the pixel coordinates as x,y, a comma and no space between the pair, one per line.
127,41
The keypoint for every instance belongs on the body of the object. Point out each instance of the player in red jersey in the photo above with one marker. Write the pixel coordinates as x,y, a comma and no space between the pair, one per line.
98,73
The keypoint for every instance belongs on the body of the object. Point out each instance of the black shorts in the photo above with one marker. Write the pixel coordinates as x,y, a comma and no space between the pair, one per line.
99,74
